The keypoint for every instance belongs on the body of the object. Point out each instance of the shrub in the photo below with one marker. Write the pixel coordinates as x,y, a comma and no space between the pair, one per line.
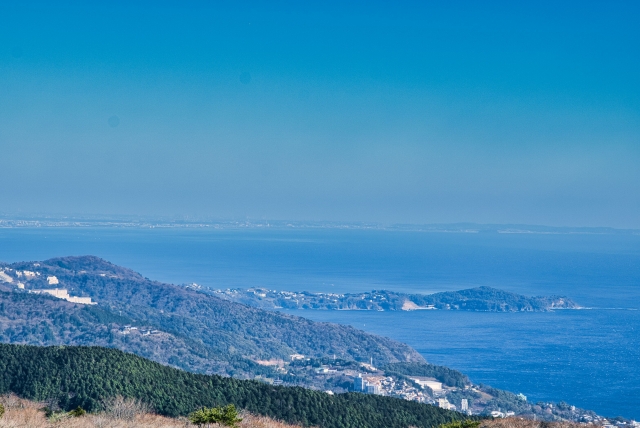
226,416
468,423
77,412
1,410
58,417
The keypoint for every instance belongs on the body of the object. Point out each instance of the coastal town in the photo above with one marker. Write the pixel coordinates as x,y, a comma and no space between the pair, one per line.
336,376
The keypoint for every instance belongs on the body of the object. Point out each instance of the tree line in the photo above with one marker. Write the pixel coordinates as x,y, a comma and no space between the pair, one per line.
87,376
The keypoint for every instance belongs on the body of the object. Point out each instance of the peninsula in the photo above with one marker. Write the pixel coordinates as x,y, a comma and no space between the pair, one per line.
486,299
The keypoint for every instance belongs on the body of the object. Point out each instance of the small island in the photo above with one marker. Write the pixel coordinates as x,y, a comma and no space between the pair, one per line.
485,299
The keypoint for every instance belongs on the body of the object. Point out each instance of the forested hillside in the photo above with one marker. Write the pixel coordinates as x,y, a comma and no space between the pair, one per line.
45,320
491,300
223,327
85,376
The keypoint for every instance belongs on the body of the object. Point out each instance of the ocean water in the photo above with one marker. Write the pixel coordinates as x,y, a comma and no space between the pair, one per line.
589,358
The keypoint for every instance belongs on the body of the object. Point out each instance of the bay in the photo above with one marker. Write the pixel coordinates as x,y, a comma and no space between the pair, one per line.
589,358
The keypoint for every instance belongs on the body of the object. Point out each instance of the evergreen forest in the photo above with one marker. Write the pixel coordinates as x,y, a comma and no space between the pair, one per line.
87,376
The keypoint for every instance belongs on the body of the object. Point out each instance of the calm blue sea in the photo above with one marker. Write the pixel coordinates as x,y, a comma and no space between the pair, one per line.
589,358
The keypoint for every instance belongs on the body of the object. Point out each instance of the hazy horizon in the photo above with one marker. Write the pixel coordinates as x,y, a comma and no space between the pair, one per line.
494,113
137,221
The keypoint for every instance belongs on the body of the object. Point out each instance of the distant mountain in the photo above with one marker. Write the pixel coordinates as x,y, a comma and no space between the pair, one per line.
474,299
86,376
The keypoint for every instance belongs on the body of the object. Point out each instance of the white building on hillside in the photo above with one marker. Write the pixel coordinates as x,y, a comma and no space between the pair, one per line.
372,389
359,384
62,293
431,383
443,403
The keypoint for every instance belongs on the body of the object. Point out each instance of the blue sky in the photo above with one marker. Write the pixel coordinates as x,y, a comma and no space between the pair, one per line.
396,112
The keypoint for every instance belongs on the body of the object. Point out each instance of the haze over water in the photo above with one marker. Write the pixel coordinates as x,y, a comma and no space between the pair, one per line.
401,112
589,358
384,112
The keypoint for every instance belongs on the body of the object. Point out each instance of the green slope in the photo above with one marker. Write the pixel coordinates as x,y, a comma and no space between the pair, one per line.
34,319
223,327
86,375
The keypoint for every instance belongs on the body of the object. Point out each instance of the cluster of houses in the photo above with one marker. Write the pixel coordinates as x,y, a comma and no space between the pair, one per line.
127,329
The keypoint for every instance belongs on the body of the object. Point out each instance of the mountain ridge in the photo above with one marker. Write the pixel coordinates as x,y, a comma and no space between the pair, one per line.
239,329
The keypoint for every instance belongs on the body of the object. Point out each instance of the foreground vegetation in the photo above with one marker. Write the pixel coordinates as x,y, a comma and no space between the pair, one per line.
86,376
22,413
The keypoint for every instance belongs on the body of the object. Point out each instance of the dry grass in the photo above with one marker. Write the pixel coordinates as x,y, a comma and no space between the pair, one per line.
251,421
27,414
525,423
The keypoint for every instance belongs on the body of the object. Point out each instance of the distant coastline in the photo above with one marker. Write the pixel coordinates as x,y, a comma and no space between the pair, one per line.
10,222
483,299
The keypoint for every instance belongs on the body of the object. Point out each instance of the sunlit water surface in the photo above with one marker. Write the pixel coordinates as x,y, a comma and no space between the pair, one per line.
589,358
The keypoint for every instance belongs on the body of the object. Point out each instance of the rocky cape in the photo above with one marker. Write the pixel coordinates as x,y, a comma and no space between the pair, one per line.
486,299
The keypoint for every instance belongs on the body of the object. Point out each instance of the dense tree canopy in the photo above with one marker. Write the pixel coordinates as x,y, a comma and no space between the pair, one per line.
86,376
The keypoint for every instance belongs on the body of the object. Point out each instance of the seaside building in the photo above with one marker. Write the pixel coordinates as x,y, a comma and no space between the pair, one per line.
443,403
52,280
372,389
431,383
464,405
359,384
